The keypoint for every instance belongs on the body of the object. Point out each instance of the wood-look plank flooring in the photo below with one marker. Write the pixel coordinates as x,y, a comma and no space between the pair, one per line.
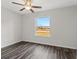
26,50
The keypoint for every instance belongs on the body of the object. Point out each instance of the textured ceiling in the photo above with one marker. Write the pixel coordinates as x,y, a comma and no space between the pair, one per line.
46,4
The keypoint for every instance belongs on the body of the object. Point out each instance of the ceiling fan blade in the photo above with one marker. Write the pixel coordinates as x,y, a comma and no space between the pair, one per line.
36,7
32,10
17,3
22,9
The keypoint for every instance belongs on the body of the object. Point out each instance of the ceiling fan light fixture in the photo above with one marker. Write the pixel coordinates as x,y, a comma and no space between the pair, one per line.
28,7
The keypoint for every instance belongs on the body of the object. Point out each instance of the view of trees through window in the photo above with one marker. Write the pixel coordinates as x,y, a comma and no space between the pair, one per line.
43,26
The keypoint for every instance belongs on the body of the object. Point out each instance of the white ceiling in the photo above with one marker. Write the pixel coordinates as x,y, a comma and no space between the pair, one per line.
46,4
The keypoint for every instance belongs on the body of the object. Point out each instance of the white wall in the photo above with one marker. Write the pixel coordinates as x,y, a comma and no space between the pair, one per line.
10,27
63,27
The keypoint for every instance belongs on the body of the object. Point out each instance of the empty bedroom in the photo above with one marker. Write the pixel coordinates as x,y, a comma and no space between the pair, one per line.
38,29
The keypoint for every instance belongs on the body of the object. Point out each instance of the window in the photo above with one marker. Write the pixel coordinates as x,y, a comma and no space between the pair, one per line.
43,26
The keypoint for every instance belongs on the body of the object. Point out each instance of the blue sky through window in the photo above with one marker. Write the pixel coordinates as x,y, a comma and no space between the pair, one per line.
43,21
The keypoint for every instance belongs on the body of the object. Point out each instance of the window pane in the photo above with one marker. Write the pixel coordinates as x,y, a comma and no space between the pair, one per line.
43,22
43,26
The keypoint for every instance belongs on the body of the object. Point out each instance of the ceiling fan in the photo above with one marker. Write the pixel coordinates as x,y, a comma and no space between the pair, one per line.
27,5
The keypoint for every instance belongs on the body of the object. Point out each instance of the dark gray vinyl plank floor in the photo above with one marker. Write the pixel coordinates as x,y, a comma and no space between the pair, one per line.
26,50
